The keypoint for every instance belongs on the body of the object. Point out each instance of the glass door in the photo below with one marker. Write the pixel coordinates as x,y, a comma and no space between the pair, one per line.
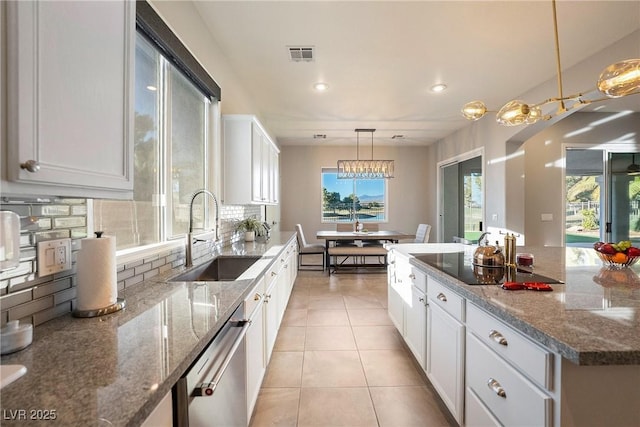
602,189
624,198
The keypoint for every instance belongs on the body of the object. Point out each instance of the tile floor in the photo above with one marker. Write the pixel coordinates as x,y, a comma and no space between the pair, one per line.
339,361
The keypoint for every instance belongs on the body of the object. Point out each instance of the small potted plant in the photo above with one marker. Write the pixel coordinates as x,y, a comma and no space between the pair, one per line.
251,227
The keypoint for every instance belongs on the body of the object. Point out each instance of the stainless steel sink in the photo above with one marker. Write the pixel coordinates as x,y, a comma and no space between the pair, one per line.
224,267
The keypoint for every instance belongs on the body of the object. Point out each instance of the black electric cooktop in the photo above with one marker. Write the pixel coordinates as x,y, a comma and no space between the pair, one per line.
454,264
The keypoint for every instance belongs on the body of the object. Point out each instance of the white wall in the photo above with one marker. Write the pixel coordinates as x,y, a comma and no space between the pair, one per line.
411,193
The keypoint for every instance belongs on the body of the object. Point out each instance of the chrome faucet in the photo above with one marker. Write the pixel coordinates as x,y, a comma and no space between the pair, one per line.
190,239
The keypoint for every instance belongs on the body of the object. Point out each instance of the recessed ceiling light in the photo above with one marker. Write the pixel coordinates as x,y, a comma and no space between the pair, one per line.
440,87
321,87
152,88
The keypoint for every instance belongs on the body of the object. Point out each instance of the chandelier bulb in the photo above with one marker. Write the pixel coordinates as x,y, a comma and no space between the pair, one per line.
620,79
474,110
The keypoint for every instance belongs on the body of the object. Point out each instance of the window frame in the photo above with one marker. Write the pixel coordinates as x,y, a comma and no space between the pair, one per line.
354,181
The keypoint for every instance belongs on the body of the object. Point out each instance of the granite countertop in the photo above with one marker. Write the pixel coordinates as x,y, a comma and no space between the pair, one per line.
113,370
592,318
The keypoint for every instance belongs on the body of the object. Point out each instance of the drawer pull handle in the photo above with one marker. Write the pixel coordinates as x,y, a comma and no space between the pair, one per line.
442,297
256,297
273,273
412,276
495,386
498,337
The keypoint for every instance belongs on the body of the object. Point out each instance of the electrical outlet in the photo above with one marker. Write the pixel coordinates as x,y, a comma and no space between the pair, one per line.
54,256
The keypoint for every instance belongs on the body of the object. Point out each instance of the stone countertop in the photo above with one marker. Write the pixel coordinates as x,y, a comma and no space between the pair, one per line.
592,318
113,370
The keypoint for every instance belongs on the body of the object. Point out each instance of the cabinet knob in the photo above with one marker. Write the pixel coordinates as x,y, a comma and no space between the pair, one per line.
498,337
495,386
256,297
31,166
442,297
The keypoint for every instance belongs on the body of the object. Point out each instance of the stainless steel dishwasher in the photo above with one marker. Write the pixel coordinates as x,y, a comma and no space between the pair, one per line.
213,391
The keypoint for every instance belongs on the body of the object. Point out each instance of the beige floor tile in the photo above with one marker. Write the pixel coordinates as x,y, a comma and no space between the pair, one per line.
408,407
389,368
369,317
298,300
377,338
284,370
332,369
325,407
326,303
329,338
361,301
276,407
325,291
290,338
295,317
327,318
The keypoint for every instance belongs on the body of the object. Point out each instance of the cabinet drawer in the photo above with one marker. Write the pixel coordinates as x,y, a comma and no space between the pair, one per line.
505,392
476,414
254,298
530,358
418,279
447,299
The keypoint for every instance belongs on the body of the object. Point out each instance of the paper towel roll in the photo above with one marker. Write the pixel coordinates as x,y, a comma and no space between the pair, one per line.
97,274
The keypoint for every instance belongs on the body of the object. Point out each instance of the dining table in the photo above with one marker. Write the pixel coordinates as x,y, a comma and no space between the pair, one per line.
332,236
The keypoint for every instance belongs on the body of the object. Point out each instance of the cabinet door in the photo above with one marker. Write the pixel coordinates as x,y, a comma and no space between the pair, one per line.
274,181
271,322
257,147
70,103
445,358
416,325
255,359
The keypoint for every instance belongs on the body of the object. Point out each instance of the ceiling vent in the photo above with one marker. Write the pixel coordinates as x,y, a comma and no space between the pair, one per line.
301,53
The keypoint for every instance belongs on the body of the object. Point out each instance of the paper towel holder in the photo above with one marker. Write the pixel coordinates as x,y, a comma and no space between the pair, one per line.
117,306
112,308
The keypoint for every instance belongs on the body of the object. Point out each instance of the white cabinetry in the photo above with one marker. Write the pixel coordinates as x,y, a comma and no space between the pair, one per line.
162,415
407,303
254,339
507,374
251,173
69,98
445,346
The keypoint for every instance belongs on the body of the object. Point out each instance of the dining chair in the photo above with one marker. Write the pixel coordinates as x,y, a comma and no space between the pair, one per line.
422,234
345,226
305,248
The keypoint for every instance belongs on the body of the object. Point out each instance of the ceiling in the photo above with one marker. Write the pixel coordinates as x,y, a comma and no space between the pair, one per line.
380,59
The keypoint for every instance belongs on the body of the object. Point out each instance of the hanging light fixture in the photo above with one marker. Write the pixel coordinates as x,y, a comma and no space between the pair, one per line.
633,168
365,169
617,80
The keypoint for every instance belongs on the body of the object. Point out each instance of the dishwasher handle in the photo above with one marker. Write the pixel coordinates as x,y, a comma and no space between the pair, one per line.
208,388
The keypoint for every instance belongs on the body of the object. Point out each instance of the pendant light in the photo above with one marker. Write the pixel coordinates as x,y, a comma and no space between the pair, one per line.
633,168
365,169
615,81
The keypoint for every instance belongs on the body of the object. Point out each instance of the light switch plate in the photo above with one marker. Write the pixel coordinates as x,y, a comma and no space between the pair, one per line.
54,256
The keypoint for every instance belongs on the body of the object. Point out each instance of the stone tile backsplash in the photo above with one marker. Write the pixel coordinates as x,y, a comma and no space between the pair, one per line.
32,299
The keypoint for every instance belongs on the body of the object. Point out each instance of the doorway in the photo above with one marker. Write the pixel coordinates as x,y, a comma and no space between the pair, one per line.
602,196
461,207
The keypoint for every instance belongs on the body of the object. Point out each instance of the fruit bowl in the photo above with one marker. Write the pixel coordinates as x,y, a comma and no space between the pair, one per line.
618,260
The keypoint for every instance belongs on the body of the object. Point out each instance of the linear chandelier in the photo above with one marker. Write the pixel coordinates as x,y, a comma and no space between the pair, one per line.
617,80
365,169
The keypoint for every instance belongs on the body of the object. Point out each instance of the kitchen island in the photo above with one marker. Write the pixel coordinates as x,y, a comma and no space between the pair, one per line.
579,357
114,370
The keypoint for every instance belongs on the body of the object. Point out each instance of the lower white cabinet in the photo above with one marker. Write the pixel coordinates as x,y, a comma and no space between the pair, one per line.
162,415
445,358
255,344
503,390
271,317
416,322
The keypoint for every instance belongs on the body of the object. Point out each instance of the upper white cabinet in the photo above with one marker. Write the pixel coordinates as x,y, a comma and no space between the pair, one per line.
250,161
69,98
